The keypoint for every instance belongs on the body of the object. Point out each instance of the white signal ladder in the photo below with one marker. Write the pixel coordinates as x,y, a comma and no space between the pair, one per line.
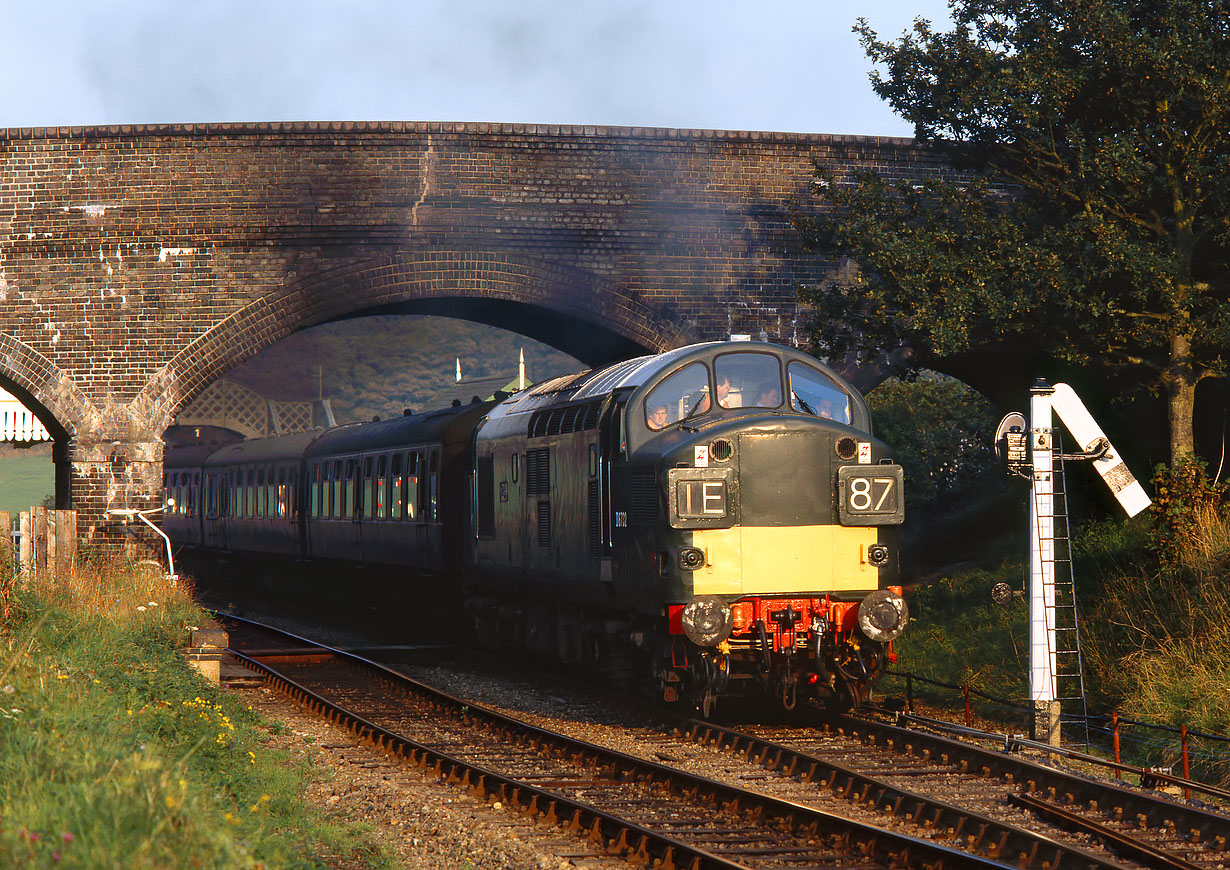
1068,674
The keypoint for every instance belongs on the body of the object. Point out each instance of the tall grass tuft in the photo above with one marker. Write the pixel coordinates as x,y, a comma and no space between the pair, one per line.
1159,634
114,753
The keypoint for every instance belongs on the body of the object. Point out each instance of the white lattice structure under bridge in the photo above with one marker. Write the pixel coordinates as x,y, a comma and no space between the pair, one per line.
18,423
233,406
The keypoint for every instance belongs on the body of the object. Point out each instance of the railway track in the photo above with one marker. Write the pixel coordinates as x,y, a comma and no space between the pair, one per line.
906,772
806,811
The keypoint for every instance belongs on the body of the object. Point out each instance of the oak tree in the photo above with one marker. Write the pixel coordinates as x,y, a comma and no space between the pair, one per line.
1088,212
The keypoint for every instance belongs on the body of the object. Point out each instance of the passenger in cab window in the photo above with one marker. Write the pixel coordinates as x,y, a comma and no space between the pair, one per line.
725,398
770,397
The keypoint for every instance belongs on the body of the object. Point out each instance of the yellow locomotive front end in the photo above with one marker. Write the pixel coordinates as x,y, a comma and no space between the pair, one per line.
777,552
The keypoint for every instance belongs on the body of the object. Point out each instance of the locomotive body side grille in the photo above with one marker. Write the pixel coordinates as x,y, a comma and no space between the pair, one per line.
594,519
544,524
644,507
538,471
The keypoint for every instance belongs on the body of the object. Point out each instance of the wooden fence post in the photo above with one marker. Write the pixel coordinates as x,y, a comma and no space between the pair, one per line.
66,544
39,517
25,555
7,556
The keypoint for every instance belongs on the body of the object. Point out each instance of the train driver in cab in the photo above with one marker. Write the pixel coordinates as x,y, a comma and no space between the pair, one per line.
657,417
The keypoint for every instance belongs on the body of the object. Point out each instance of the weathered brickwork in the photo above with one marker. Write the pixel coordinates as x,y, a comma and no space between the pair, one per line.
138,264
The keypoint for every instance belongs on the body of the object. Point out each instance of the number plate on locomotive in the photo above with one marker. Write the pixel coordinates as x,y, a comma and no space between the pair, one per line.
870,495
701,497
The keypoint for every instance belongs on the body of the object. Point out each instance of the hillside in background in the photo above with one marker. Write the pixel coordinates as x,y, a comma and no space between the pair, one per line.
378,366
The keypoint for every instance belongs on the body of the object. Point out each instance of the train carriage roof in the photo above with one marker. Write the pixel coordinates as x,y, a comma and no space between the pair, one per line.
282,448
449,424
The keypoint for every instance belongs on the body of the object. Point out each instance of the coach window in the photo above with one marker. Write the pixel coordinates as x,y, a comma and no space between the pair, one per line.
313,492
262,494
814,393
684,393
395,488
369,489
335,495
283,492
382,488
432,516
748,379
413,460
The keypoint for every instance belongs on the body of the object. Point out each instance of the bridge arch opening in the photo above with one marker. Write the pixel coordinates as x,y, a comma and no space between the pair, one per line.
357,368
34,466
580,313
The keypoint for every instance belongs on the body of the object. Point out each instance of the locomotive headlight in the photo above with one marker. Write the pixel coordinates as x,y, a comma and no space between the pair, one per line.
883,615
707,621
877,554
691,558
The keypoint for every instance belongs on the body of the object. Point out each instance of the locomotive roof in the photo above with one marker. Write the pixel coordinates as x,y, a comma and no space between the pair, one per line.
633,373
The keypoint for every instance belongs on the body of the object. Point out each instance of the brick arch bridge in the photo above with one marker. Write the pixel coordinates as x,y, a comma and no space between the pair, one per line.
139,264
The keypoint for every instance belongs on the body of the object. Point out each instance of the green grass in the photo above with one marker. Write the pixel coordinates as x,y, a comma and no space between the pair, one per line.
27,477
113,752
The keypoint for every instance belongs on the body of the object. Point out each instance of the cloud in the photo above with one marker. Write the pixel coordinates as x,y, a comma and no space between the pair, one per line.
779,64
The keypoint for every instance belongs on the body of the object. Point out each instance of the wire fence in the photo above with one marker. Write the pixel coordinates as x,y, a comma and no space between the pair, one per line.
1176,751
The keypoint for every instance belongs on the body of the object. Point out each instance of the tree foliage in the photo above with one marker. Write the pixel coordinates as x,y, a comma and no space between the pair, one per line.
1086,214
943,432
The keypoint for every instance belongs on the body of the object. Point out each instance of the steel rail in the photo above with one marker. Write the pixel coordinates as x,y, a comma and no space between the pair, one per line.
1143,852
979,833
617,836
1037,778
1147,776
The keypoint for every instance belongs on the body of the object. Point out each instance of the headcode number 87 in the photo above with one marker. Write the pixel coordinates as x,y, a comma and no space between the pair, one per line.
872,494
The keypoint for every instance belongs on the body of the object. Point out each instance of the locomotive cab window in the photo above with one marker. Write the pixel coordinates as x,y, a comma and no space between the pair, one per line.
814,393
683,394
747,379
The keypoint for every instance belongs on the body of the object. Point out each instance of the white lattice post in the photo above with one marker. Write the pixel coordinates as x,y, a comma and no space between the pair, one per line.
1042,664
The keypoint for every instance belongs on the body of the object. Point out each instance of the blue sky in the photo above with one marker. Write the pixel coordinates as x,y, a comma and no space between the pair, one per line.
790,65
